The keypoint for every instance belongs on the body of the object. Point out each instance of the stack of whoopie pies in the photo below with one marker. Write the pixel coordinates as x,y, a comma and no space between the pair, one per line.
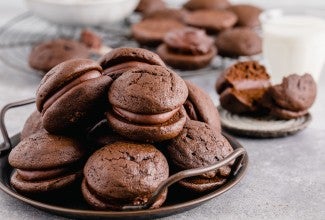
181,34
245,88
116,129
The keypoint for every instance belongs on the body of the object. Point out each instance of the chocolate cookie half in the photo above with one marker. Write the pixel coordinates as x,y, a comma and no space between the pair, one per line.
46,55
32,125
150,32
199,107
238,42
292,98
248,15
124,173
213,21
120,60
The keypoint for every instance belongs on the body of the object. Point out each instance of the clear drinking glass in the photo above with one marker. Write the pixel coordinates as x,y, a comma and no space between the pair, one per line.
293,42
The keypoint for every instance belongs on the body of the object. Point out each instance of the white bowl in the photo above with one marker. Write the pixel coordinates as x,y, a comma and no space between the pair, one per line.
82,12
175,3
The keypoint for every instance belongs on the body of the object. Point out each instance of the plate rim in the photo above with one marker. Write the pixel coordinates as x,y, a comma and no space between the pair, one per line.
255,133
162,211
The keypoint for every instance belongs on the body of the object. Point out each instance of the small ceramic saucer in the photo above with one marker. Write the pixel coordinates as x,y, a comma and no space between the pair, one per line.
261,127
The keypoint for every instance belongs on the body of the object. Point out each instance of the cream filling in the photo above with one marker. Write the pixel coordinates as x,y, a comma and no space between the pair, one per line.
87,76
30,175
145,119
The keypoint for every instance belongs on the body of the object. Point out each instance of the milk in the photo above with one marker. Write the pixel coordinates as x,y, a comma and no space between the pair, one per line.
293,44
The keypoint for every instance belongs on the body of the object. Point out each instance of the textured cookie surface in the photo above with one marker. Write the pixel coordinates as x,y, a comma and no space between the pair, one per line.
45,151
189,41
170,13
148,90
122,55
204,108
125,170
152,31
46,55
238,42
295,93
89,102
248,15
32,125
198,146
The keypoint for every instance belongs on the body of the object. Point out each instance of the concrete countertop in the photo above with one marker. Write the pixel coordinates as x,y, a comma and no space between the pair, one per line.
285,179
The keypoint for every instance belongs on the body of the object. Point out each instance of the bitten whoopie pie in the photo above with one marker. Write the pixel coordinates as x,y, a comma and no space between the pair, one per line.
32,125
124,173
199,107
150,32
46,162
213,21
72,96
147,104
238,42
292,98
198,146
206,4
187,48
242,86
46,55
248,15
119,60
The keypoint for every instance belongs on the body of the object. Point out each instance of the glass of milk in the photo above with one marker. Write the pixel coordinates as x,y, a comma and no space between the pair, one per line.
293,43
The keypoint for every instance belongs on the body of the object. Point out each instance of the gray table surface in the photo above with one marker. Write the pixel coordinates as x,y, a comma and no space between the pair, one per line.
285,180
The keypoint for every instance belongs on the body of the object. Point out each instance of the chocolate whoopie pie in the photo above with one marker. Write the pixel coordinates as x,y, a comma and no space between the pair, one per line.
46,55
199,107
150,32
32,125
238,42
242,86
124,173
147,104
72,96
248,15
198,145
213,21
187,48
119,60
292,98
45,163
206,4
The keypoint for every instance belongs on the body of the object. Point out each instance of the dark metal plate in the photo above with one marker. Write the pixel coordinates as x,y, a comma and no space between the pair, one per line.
71,204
